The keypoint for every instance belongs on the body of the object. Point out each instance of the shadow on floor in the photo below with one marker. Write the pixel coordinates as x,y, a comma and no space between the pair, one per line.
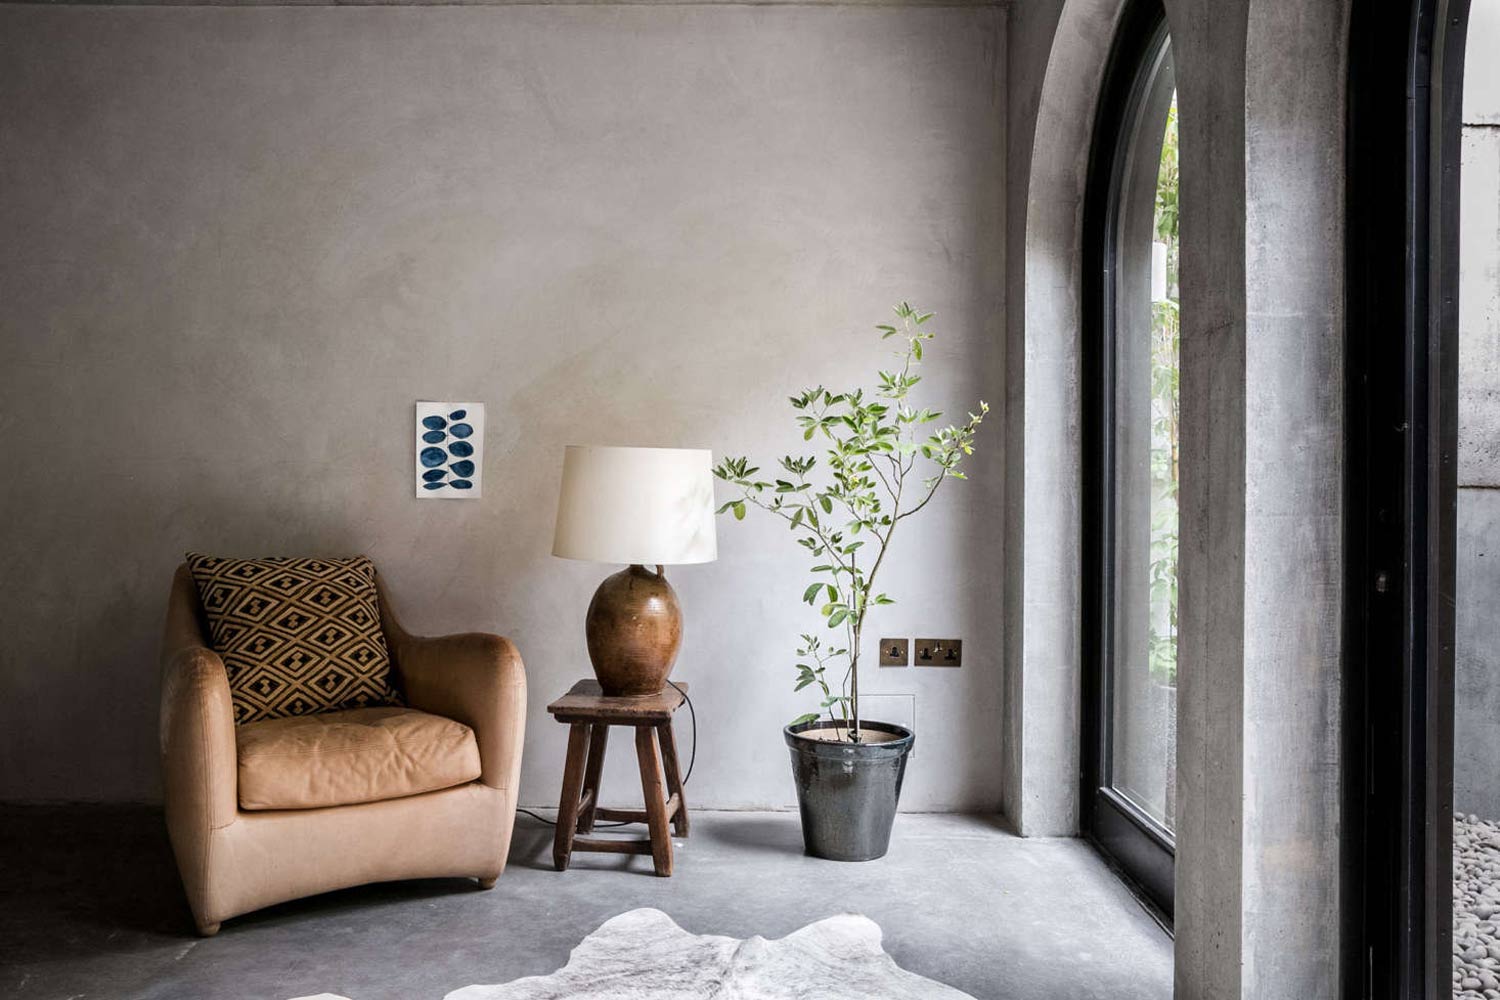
755,832
96,872
107,875
531,845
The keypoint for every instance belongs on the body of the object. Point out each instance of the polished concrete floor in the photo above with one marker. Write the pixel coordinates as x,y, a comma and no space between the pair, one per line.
90,907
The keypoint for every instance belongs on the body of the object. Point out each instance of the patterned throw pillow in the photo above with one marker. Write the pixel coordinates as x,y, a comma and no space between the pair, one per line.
297,636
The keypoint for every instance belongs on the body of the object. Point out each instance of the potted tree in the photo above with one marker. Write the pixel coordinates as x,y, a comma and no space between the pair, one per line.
881,466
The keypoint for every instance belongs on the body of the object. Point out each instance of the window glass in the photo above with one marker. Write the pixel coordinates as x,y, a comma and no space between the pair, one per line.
1143,730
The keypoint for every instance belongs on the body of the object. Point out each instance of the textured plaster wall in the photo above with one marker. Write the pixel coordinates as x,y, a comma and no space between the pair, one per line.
1476,778
240,242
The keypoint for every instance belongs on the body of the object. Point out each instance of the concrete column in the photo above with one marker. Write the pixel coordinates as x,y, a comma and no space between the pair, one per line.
1259,767
1295,108
1209,42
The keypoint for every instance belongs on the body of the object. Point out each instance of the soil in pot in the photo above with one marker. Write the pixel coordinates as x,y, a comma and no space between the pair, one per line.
838,734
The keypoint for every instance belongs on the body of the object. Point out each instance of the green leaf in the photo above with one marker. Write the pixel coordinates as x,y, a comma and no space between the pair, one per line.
739,511
811,594
809,717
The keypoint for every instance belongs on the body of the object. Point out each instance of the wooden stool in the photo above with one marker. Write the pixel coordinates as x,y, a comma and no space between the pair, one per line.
590,712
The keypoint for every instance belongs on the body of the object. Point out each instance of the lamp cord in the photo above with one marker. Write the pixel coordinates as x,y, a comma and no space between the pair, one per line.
692,759
693,718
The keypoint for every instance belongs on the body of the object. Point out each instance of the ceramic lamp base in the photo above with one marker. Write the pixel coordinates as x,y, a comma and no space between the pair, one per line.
634,629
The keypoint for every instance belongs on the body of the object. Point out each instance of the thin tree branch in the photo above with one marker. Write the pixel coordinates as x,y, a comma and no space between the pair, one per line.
927,499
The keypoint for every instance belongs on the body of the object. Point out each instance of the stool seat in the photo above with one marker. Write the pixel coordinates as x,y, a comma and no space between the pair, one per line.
586,701
590,713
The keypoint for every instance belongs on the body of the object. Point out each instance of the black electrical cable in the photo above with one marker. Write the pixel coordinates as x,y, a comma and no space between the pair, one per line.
693,717
692,759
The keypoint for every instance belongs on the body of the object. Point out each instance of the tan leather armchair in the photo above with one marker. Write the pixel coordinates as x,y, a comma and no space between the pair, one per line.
236,857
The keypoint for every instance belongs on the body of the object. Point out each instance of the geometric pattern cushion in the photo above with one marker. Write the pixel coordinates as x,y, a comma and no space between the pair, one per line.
297,636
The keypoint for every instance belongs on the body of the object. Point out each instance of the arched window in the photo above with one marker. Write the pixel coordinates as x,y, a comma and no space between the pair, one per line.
1131,458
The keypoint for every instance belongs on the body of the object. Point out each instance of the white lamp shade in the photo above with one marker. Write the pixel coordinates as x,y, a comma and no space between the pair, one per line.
636,505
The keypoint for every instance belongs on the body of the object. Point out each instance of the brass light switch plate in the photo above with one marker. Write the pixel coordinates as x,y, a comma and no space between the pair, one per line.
940,653
893,653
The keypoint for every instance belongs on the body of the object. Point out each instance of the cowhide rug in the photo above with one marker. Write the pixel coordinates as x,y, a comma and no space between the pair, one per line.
643,955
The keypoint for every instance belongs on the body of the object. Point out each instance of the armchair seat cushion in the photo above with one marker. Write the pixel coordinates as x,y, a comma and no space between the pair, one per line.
357,755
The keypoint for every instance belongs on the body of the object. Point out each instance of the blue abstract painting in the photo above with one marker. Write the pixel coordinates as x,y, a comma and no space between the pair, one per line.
450,450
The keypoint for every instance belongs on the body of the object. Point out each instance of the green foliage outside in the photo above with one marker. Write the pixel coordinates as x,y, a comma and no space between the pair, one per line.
1165,371
881,467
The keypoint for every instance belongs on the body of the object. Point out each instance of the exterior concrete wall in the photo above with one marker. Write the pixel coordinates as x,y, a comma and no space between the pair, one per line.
1476,777
1261,112
240,242
1476,737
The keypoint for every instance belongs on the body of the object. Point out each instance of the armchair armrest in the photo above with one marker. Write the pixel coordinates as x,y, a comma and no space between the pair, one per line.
477,679
199,764
200,772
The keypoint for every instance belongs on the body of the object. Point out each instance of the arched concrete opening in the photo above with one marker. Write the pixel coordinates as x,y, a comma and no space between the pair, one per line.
1043,447
1261,97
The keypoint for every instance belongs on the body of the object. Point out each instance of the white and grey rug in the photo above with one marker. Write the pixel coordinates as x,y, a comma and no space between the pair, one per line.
643,955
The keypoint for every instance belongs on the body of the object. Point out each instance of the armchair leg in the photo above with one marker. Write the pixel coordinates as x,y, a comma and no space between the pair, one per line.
208,930
487,883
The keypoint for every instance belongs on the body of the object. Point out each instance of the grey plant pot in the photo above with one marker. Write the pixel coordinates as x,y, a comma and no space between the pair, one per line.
848,792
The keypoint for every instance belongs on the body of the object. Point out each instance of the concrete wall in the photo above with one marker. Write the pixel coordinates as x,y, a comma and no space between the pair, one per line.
1262,119
241,241
1476,744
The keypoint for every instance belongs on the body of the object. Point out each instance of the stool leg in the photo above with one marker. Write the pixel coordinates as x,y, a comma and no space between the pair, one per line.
567,807
669,767
656,804
598,740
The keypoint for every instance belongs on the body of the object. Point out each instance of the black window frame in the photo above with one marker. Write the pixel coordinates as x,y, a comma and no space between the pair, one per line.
1401,415
1142,850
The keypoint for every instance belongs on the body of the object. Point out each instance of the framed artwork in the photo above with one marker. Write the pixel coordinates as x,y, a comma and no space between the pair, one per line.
450,450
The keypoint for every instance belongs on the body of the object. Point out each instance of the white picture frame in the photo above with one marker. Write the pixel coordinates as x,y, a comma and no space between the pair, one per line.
449,450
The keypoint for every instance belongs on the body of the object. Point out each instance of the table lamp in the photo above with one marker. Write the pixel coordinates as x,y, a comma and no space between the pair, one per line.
644,507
